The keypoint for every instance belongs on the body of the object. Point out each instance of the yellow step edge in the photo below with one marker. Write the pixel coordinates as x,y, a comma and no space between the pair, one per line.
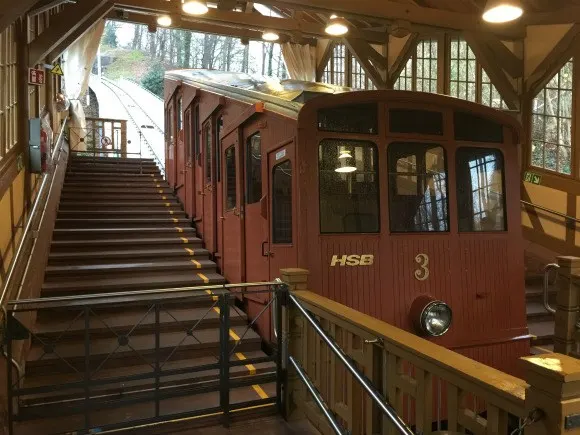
196,263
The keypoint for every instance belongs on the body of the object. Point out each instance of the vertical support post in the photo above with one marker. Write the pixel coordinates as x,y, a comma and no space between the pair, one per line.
157,359
567,305
295,394
9,381
225,358
554,388
281,295
87,368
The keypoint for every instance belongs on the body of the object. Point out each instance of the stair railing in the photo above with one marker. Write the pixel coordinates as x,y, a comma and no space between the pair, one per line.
39,206
387,410
546,301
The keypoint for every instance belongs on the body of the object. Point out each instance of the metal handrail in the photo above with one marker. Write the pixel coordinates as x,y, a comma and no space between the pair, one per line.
377,397
33,212
554,212
547,269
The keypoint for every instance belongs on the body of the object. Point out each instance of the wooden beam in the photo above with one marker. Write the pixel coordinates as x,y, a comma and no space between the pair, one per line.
555,60
10,10
513,65
324,60
247,21
493,69
361,50
63,25
46,5
389,10
555,16
79,31
402,59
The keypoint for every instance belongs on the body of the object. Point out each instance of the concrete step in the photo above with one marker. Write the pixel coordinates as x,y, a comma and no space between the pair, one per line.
122,256
159,222
87,204
121,213
123,244
60,234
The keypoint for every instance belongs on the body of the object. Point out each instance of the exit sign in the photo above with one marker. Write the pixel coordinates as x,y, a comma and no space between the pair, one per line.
532,177
36,76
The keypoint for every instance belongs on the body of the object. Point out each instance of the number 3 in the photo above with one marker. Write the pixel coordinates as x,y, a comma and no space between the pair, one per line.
423,261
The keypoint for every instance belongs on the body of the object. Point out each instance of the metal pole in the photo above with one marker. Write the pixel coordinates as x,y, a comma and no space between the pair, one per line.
157,365
87,368
387,409
9,382
225,358
317,398
280,372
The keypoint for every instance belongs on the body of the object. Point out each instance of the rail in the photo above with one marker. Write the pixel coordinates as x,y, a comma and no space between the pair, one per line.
387,410
47,178
110,84
554,212
546,286
156,346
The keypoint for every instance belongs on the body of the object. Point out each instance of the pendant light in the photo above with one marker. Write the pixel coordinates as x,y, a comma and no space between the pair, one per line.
345,154
345,165
164,20
502,11
194,7
270,36
336,26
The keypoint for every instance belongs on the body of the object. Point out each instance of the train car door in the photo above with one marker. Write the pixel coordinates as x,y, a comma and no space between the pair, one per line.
180,152
198,172
256,211
208,192
170,139
282,192
232,220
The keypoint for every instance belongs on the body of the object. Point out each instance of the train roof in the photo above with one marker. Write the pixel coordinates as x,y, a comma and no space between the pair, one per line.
287,96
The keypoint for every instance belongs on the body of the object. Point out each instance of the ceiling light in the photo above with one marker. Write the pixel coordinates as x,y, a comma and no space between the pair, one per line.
502,11
345,169
336,26
164,20
194,7
270,36
345,155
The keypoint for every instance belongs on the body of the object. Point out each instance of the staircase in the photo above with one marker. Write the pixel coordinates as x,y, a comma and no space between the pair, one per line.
540,321
120,228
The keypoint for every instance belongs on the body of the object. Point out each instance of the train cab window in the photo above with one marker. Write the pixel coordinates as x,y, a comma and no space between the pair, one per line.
179,114
254,169
416,121
282,203
417,188
470,127
231,190
362,118
480,189
349,186
207,137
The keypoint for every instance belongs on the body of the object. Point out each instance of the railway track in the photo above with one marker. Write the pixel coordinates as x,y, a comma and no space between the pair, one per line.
137,115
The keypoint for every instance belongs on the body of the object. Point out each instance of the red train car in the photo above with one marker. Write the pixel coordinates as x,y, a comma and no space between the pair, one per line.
402,205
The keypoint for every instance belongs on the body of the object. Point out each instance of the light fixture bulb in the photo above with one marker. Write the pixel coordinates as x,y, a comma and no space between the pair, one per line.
194,7
345,169
336,26
270,36
345,155
502,11
164,20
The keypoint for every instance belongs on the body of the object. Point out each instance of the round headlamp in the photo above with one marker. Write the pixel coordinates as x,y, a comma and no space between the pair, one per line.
430,316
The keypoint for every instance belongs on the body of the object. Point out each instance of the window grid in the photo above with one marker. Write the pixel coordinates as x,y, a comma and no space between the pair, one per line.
8,96
421,71
343,69
405,80
338,59
552,123
359,79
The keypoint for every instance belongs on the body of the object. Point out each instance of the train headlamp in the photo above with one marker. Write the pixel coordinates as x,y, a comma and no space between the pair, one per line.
431,317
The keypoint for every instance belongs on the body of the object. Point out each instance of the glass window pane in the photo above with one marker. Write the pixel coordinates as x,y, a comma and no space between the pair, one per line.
254,169
230,178
480,189
348,180
417,188
219,124
282,203
208,153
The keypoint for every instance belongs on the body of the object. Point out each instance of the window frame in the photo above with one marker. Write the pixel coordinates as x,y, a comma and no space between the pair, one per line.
292,196
208,149
187,136
412,62
249,173
351,68
227,197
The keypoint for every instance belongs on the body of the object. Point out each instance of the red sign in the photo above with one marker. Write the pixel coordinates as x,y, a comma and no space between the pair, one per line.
35,76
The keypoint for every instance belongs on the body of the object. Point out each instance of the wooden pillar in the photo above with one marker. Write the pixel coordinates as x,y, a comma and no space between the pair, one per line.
554,389
294,330
567,300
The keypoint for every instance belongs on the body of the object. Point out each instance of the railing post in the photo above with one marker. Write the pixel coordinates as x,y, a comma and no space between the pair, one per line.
293,327
554,390
567,300
225,357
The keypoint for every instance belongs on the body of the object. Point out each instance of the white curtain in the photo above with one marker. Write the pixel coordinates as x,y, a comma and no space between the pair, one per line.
300,60
77,65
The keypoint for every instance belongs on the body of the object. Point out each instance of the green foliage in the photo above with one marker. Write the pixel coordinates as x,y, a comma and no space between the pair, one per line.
110,36
153,80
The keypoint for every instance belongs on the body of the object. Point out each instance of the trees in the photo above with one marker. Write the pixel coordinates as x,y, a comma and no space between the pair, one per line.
110,35
153,80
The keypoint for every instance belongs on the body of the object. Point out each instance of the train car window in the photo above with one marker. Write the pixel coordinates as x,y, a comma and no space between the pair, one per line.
417,188
196,140
349,186
180,114
231,178
282,203
362,118
208,152
219,124
187,135
254,169
416,121
470,127
480,189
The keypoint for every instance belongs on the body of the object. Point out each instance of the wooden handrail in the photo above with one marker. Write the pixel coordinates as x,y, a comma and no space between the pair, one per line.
554,212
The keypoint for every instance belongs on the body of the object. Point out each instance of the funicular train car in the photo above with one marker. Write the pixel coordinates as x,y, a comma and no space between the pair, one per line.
402,205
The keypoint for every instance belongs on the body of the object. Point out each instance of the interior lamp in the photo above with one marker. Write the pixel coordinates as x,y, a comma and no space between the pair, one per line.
344,165
194,7
164,20
336,26
270,36
502,11
344,154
